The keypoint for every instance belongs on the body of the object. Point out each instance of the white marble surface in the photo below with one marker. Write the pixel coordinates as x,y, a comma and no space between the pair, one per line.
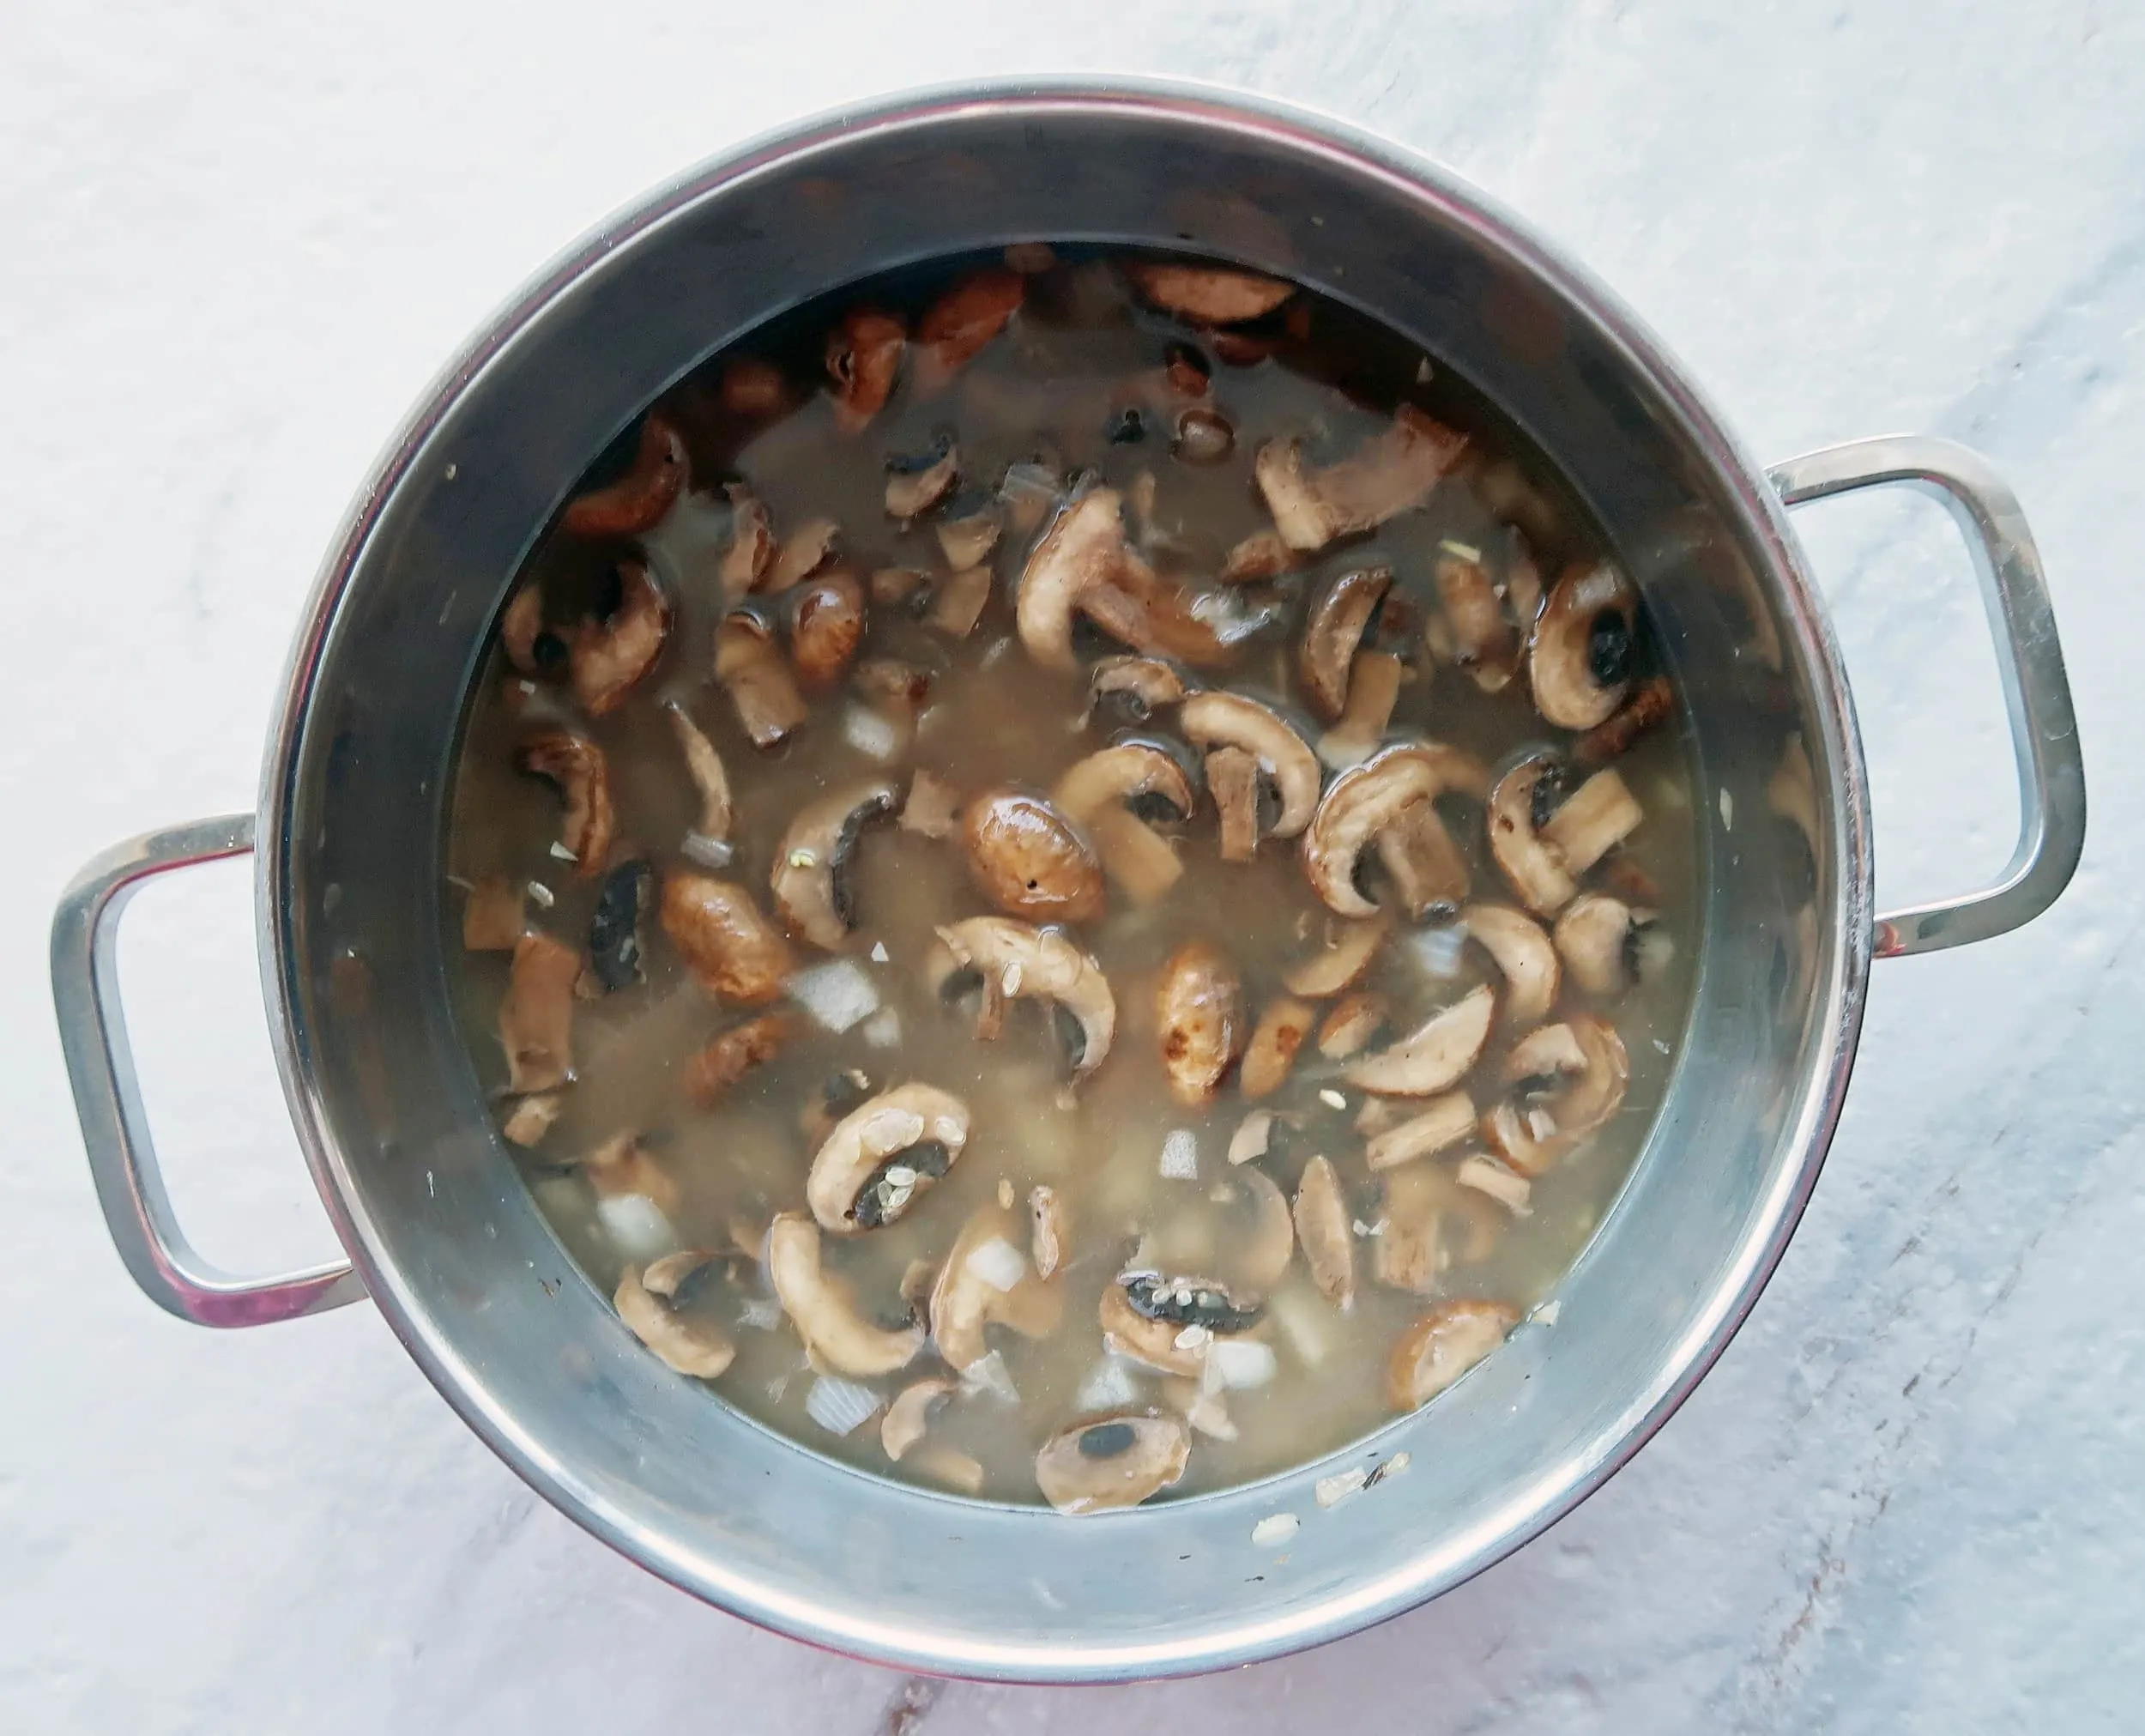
239,239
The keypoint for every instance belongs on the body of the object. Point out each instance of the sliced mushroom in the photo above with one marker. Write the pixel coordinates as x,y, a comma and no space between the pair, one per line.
823,1308
1083,565
1443,1122
1392,473
959,601
1333,629
1049,1230
610,656
1651,702
617,931
1523,954
621,1166
1027,858
968,529
732,951
1202,436
709,842
751,549
955,327
1373,691
1232,776
1116,1460
1275,1039
530,647
1599,938
1441,1346
1113,793
931,808
1323,1226
1486,642
1592,820
1207,295
1566,1081
1199,1020
882,1154
536,1017
1348,952
1429,874
1537,871
532,1117
986,1281
690,1344
640,497
1014,961
1433,1057
1352,1025
1258,1260
708,1076
1216,721
1409,1251
1365,801
1260,556
808,549
576,766
918,482
752,669
909,1416
826,627
754,387
1166,1322
1487,1175
1584,647
494,915
1140,686
863,361
813,882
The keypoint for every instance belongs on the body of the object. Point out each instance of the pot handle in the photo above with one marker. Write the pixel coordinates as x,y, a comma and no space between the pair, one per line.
93,1033
2044,728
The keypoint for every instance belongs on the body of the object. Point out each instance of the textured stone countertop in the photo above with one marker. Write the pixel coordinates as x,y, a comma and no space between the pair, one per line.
241,238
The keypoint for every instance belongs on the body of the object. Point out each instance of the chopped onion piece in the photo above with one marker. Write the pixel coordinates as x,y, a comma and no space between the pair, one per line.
636,1225
998,1263
1244,1363
837,994
840,1407
1180,1155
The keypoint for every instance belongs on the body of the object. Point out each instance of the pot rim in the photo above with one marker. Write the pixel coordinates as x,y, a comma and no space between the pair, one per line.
1835,1026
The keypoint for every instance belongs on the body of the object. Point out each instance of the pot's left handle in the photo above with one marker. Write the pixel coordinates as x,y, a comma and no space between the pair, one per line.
93,1033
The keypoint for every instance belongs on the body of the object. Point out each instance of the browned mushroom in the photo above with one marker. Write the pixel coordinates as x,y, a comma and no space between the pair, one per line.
536,1017
1374,689
986,1281
754,387
709,842
1537,872
494,915
1116,1460
1084,565
732,951
1590,822
1441,1122
1232,776
1392,473
751,667
826,625
532,1117
611,655
863,361
1139,687
1275,1039
882,1154
836,1333
1433,1056
1565,1081
1361,805
812,881
1199,1020
1261,555
1523,955
1113,793
576,766
959,602
708,1074
1350,948
956,327
1333,629
1584,647
1651,702
1322,1226
1217,721
1207,295
1486,642
1352,1024
640,497
1441,1346
1014,961
803,552
909,1415
918,482
1027,858
751,549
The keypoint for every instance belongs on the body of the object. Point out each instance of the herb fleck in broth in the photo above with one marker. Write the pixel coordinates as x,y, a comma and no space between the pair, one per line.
679,1057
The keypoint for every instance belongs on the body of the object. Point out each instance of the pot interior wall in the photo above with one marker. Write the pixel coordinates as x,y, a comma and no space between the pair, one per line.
472,1278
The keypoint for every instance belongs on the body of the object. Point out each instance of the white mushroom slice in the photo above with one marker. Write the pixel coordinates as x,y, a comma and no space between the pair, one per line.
918,482
639,498
1373,691
863,360
1333,629
610,656
948,1465
1017,960
806,549
812,884
1220,721
689,1343
1142,685
1262,555
1535,870
882,1154
751,548
1392,473
823,1308
1597,937
1049,1230
1166,1323
709,841
968,530
1352,1025
986,1281
752,669
1593,819
1434,1058
532,1117
826,625
1651,702
1487,1175
1523,954
1270,1053
1322,1224
583,776
909,1415
1486,643
1350,949
1208,294
1257,1262
1029,859
536,1017
1441,1346
1445,1121
1199,1020
1112,1461
494,915
1363,802
1584,1060
732,951
1112,793
1584,647
1429,874
1232,778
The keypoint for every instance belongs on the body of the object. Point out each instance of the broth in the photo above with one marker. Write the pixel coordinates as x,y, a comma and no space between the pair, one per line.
640,1143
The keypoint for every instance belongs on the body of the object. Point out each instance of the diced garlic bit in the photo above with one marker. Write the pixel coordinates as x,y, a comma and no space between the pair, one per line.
1550,1312
988,1376
883,1029
1727,809
708,852
1180,1155
838,995
1111,1385
1332,1490
998,1263
542,894
1331,1098
878,953
1439,951
840,1407
1275,1528
1243,1363
1395,1467
636,1225
870,734
564,854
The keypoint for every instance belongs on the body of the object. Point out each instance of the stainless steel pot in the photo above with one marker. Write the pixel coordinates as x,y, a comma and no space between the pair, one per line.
442,1234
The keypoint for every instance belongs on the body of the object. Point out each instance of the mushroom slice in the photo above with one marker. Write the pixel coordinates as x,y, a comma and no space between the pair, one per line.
751,667
617,938
1260,1259
1409,1251
1434,1058
1084,565
956,327
529,647
1535,870
708,1076
1429,874
1026,858
807,549
1207,294
689,1343
1350,948
882,1154
1202,436
754,387
1366,800
1116,1460
752,542
1322,1226
959,601
536,1017
1275,1039
1333,629
1373,691
1592,820
986,1281
732,951
1015,959
1394,472
532,1117
823,1308
621,1166
1444,1121
1441,1346
812,883
1599,937
826,625
1167,1323
1487,1175
1651,702
918,482
709,842
576,766
1232,776
968,529
1485,644
1584,647
932,807
909,1415
1049,1230
610,656
1523,954
1567,1081
1140,685
1113,792
1218,721
863,361
1354,1021
1260,556
640,497
1199,1020
494,915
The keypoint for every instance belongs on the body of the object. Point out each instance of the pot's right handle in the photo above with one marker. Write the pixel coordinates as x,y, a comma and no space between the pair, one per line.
93,1033
2044,730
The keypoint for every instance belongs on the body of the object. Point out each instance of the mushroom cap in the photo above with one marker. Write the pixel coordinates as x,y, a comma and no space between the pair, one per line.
1166,1322
1587,1053
1441,1346
1231,720
863,361
1199,1020
1324,1227
1537,872
918,482
1524,956
1145,683
1081,551
1018,960
1593,937
1333,628
634,502
583,776
1486,642
1028,859
751,667
1581,656
856,1157
1367,799
1123,773
1208,294
1347,954
1433,1057
710,1072
731,948
811,881
610,657
822,1307
969,1295
1284,1023
1114,1460
826,625
690,1345
955,327
1444,1121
